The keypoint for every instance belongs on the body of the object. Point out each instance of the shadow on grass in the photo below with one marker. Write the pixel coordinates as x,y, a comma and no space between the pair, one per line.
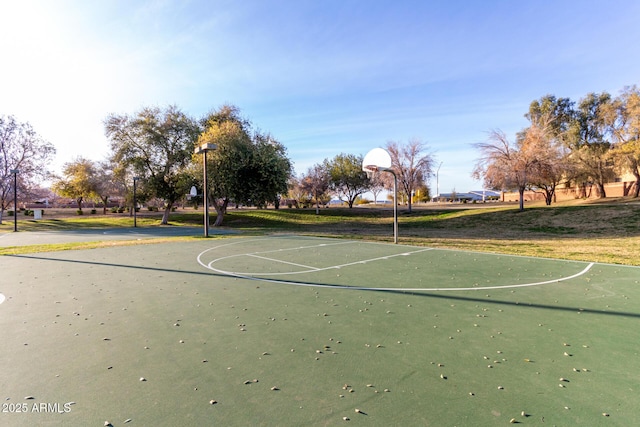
425,294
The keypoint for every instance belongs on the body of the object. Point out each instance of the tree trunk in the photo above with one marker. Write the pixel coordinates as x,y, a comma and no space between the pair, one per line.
521,192
220,211
79,202
165,215
1,215
601,191
104,204
636,190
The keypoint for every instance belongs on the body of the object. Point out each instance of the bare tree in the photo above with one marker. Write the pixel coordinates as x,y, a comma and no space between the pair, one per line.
21,149
502,165
549,157
411,164
316,183
376,185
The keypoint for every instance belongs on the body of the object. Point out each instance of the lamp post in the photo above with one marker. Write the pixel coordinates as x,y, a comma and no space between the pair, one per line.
15,198
203,150
438,181
135,218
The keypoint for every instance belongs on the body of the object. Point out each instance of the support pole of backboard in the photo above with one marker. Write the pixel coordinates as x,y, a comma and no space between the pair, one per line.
379,160
395,206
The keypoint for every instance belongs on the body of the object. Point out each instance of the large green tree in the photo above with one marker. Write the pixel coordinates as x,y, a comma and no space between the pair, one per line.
623,120
80,181
247,167
590,147
155,145
347,180
22,149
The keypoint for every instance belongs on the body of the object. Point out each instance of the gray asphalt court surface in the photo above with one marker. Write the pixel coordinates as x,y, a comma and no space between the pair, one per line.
25,238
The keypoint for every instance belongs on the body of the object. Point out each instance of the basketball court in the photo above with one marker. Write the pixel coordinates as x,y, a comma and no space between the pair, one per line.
298,330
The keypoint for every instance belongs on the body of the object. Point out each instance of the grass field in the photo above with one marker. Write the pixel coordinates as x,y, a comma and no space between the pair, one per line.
603,231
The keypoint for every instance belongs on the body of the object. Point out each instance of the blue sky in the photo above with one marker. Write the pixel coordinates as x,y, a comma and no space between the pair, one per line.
324,77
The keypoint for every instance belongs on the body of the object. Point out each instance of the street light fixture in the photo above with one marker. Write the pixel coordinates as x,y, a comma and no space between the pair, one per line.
135,218
205,193
15,198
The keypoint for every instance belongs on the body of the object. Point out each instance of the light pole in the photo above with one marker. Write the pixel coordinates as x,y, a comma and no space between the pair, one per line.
15,198
205,196
438,181
135,218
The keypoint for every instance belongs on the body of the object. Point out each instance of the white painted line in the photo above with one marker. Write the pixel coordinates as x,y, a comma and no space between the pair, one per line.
282,262
289,273
399,289
361,288
1,298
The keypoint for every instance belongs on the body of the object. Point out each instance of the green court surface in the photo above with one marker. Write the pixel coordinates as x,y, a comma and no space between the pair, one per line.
290,331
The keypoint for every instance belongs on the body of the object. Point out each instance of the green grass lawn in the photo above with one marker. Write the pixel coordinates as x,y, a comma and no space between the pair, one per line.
593,231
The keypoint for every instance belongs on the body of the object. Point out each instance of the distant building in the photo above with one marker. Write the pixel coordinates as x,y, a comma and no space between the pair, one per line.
471,196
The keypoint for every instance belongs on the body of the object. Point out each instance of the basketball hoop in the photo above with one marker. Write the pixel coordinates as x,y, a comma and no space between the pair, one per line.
379,160
370,170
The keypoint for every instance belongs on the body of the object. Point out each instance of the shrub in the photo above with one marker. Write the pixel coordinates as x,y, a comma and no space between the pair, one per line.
79,212
10,213
93,211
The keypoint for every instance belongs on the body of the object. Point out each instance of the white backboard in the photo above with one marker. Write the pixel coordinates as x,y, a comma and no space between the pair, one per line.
377,159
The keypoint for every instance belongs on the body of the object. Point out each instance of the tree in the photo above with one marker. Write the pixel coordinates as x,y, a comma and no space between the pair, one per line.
623,120
79,181
155,145
296,193
22,149
376,185
558,115
347,180
502,166
549,164
590,150
245,168
411,164
271,170
106,183
316,183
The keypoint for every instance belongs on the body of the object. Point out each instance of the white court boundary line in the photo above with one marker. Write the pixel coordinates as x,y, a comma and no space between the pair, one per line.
2,298
362,288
